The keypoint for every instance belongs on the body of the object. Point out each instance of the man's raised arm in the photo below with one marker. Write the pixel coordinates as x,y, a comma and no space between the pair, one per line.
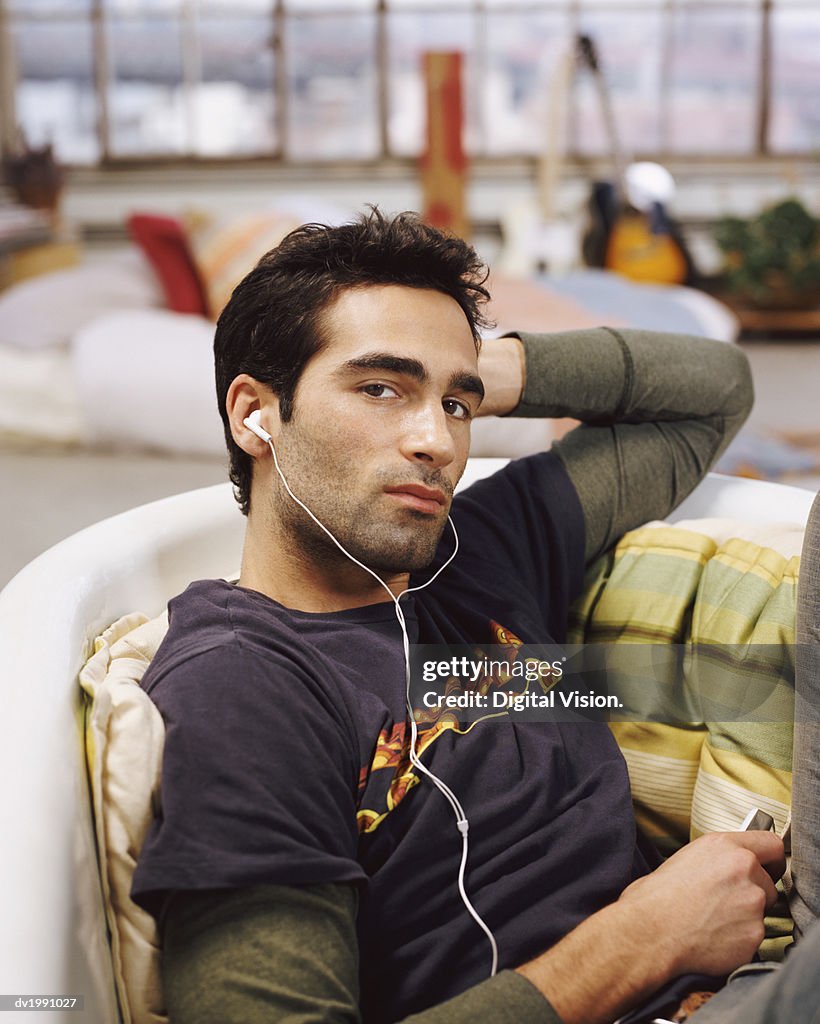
656,411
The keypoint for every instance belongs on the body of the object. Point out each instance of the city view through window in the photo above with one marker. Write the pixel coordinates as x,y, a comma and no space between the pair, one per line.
340,80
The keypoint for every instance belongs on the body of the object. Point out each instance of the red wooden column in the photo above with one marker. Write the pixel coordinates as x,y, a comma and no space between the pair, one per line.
444,164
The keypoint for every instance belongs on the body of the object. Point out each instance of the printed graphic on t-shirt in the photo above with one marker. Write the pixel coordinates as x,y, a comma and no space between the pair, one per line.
388,778
503,636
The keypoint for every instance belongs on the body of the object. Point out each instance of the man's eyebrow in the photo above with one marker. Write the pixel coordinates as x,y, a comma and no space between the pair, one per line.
385,361
468,382
461,380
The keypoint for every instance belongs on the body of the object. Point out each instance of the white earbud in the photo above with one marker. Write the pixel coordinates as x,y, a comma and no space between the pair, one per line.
253,424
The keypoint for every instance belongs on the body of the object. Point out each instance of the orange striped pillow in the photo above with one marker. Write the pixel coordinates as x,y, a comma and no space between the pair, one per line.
226,249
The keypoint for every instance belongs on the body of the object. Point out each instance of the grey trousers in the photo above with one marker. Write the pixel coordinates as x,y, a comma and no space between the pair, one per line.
805,899
791,994
788,995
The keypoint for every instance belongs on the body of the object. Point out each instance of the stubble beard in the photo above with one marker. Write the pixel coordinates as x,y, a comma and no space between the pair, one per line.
388,541
386,551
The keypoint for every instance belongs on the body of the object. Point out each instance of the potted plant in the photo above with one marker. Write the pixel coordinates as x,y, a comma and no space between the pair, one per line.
772,261
34,176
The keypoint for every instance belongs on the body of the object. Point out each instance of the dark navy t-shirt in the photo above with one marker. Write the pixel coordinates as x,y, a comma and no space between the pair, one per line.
286,757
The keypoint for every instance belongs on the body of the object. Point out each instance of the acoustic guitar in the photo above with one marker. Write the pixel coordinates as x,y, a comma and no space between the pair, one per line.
642,244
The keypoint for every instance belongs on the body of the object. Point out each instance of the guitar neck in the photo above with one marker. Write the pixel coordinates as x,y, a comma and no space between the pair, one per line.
587,51
616,153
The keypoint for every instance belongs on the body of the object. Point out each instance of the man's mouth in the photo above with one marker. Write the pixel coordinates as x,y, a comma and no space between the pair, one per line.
418,497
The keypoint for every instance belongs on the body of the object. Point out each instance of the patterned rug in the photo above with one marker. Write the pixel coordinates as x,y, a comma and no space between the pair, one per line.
792,457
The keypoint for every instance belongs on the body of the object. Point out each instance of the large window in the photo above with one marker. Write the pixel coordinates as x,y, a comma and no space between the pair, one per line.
313,80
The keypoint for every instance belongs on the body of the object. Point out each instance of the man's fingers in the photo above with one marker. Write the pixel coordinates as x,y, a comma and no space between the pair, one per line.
769,852
767,847
764,880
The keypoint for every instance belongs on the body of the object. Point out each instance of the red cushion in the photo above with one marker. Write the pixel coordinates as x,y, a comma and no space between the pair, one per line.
165,245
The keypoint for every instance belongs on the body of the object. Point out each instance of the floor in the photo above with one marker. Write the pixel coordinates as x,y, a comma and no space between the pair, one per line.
787,399
46,496
787,384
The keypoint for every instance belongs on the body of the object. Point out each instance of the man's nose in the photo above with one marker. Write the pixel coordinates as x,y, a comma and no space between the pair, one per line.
427,437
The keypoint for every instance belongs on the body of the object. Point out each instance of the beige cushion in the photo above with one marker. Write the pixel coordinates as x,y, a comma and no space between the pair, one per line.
124,742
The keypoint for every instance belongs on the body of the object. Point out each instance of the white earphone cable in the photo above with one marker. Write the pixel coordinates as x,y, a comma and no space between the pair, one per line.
461,818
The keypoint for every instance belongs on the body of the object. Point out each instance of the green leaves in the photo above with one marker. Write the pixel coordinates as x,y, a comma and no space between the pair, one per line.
773,260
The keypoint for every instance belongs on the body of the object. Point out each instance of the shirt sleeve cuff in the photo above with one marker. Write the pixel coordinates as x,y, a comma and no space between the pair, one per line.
507,998
570,373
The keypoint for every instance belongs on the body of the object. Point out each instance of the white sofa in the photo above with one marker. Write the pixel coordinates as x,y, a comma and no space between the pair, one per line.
52,929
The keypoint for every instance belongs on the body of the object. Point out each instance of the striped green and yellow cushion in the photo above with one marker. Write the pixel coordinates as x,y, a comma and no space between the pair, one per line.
729,592
696,583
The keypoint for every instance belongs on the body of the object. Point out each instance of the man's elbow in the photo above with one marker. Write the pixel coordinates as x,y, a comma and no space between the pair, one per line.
740,392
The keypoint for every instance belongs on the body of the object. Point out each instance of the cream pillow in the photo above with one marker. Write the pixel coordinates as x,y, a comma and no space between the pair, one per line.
45,312
124,743
114,362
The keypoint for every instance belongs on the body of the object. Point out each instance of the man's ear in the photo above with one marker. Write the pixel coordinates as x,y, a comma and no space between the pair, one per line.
246,395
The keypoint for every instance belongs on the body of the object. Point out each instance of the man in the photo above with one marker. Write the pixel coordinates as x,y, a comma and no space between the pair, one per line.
302,867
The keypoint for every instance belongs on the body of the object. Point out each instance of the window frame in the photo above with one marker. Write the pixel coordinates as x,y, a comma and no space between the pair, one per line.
97,15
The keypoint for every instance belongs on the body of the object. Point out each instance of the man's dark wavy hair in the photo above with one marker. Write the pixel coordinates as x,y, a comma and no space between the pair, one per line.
272,325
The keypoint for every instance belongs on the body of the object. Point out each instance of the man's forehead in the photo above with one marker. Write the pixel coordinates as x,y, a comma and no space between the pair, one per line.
397,319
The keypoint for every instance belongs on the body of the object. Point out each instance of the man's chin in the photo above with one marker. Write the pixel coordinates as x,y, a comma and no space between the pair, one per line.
398,555
396,563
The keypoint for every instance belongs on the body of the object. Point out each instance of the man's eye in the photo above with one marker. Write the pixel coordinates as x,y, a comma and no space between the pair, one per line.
457,409
379,391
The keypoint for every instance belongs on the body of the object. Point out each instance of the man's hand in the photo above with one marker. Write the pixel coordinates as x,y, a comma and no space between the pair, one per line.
502,368
713,894
700,912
